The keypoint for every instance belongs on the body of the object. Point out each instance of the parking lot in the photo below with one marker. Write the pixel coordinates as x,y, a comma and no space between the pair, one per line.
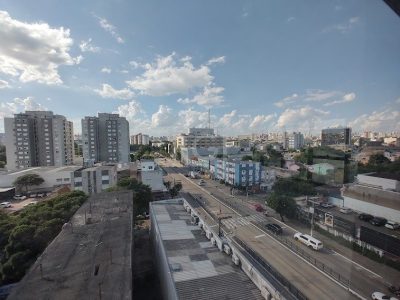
17,205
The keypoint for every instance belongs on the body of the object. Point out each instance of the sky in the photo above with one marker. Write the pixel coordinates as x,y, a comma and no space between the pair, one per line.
258,66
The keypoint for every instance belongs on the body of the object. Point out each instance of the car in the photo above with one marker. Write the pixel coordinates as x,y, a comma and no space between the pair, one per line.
377,221
41,195
345,210
19,197
275,228
327,205
308,240
392,225
382,296
30,203
365,217
32,195
201,182
5,204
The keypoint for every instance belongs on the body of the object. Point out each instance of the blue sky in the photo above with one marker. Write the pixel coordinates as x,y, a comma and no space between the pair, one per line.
258,65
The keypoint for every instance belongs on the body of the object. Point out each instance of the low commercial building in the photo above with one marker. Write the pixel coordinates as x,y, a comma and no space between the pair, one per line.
377,194
237,172
96,179
189,266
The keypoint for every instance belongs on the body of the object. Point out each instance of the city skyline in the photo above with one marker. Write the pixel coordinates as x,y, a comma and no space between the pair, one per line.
249,62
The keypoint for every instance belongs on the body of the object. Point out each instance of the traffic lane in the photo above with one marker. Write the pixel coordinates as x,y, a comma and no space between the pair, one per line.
306,278
362,279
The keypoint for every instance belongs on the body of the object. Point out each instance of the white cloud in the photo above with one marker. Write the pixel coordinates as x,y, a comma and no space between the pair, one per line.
108,91
301,118
190,118
33,51
134,64
130,110
320,95
106,70
18,105
86,46
385,120
261,120
209,97
4,84
343,27
287,100
166,76
164,117
107,26
216,60
398,100
346,98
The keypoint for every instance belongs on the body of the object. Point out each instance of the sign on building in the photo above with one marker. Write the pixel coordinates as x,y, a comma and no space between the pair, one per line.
328,219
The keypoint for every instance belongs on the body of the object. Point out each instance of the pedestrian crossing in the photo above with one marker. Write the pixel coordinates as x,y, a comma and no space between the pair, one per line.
233,223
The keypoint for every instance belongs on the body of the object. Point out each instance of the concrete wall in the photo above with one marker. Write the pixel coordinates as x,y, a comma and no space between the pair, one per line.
383,183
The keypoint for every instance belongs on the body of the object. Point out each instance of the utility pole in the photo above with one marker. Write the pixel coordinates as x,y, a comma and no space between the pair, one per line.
312,217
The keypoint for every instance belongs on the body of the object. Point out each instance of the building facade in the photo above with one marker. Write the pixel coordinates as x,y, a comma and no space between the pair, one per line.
95,180
38,138
338,137
199,137
236,172
295,140
140,139
105,138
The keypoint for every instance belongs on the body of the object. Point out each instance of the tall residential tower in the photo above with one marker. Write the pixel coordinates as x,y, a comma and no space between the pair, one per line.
105,138
38,138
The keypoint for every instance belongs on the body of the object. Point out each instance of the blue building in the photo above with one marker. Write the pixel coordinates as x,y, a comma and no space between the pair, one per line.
237,172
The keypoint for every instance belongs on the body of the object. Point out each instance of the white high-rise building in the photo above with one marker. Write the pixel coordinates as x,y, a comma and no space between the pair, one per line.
105,138
38,138
140,139
295,140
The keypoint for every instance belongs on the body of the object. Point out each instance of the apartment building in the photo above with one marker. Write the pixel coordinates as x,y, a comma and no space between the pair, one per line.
237,172
140,139
199,137
38,138
295,140
105,138
339,138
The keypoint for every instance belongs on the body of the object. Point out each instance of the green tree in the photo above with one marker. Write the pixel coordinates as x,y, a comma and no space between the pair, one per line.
293,187
178,154
28,180
282,204
378,159
174,191
247,157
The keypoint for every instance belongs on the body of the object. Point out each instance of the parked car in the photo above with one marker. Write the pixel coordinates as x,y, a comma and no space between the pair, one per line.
392,225
30,203
41,195
377,221
201,182
382,296
327,205
5,204
33,195
19,197
275,228
308,240
365,217
345,210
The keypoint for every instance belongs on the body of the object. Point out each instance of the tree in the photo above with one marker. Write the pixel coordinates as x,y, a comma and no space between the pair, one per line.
178,154
247,157
293,187
174,191
378,159
28,180
282,204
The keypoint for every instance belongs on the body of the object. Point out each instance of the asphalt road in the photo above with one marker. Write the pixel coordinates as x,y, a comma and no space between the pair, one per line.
312,282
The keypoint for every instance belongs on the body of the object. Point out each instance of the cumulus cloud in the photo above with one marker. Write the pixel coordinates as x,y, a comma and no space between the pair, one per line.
261,120
107,91
384,120
209,97
130,110
166,76
216,60
4,84
107,26
134,64
106,70
350,97
287,100
301,118
86,46
163,117
33,51
191,118
320,95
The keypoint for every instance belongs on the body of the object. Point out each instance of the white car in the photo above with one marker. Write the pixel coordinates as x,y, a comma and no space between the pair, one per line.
5,204
392,225
327,205
382,296
201,182
345,210
19,197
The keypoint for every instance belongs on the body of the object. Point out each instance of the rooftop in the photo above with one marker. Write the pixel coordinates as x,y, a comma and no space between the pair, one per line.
385,175
199,270
86,260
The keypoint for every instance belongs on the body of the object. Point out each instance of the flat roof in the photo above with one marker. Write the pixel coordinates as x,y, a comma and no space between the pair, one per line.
86,259
52,169
385,175
199,270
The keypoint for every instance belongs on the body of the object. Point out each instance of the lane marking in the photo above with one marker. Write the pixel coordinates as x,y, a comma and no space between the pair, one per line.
258,236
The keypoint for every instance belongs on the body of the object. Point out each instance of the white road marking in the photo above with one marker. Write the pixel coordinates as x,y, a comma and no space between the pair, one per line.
258,236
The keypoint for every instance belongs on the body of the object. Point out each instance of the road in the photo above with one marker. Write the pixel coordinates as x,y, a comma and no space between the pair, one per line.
312,282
